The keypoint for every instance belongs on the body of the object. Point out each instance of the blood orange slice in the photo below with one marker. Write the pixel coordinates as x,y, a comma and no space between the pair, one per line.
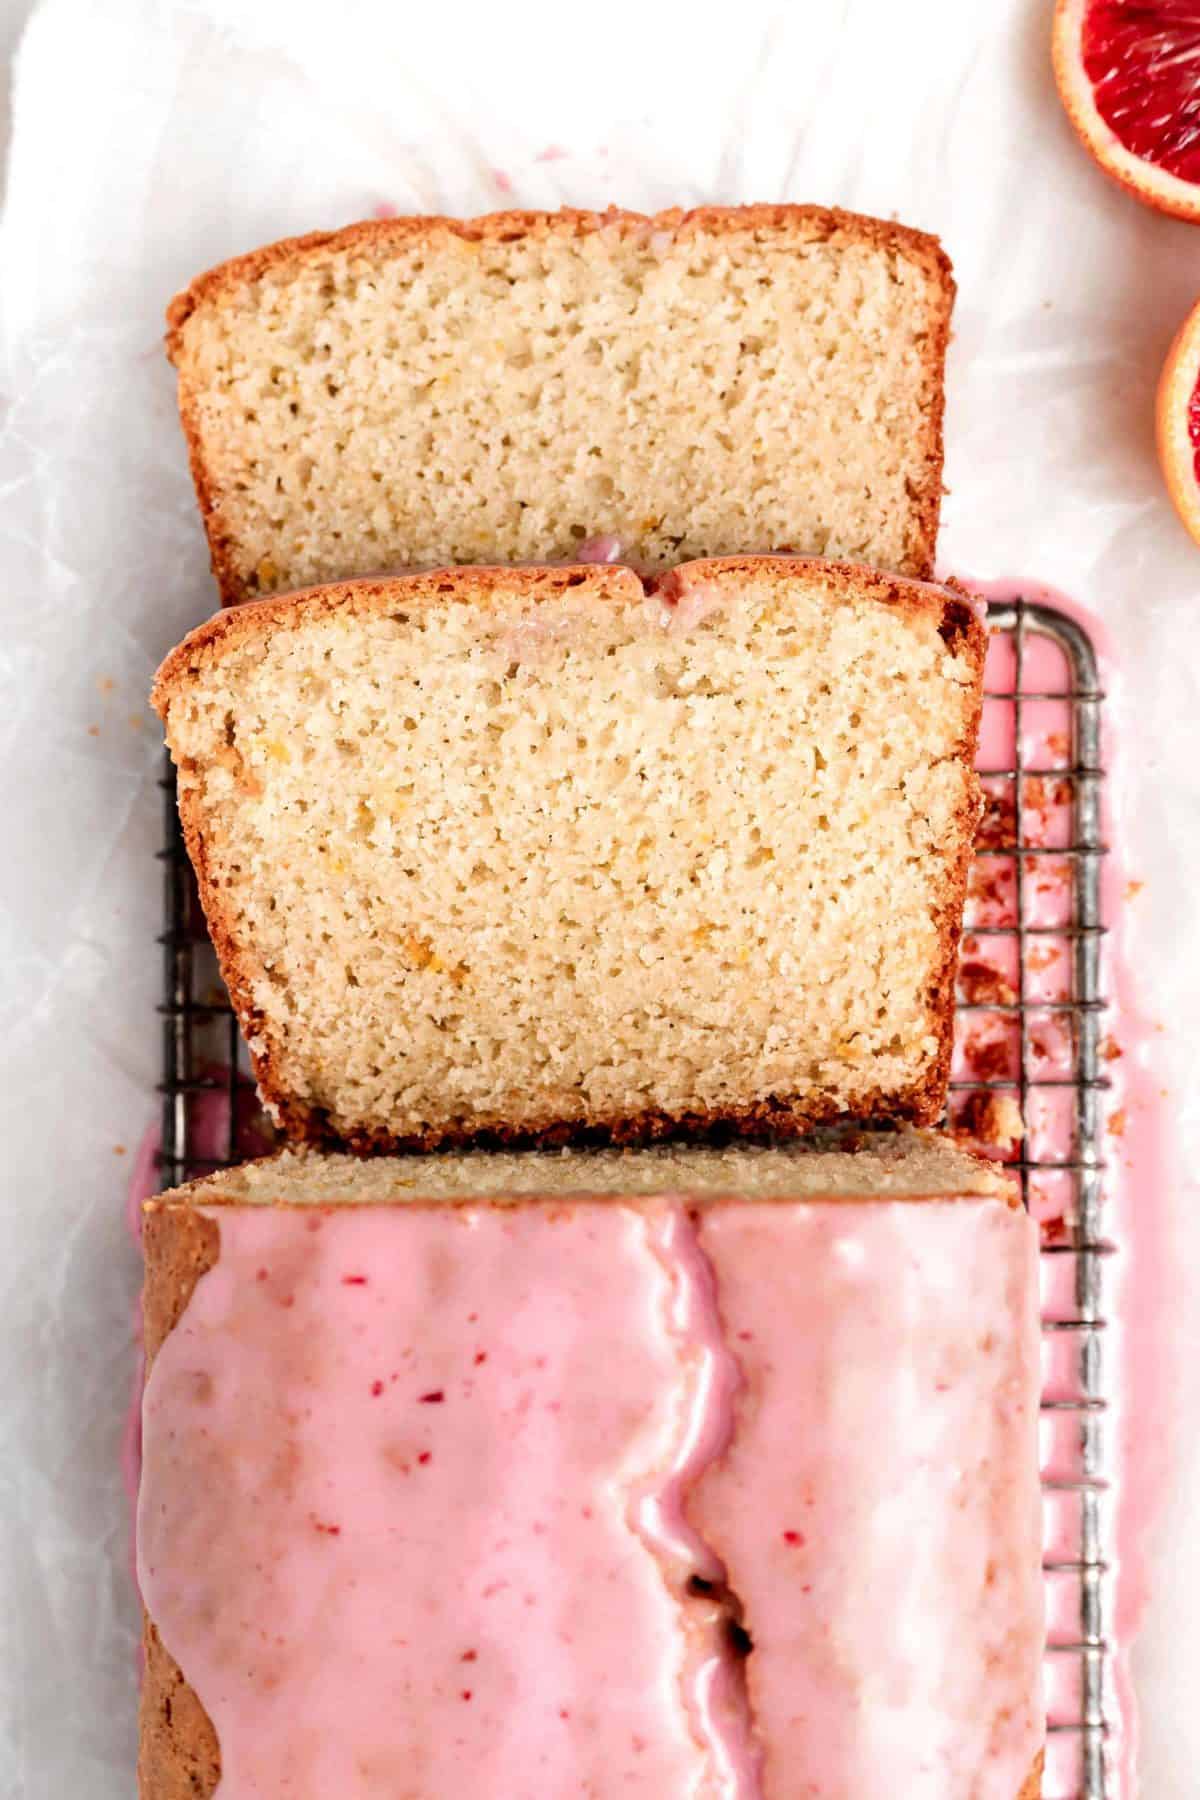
1128,72
1178,422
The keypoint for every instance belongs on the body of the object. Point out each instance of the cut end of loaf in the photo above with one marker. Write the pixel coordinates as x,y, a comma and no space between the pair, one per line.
539,855
902,1165
420,391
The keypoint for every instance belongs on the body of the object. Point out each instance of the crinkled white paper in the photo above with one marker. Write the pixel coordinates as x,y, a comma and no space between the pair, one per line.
154,137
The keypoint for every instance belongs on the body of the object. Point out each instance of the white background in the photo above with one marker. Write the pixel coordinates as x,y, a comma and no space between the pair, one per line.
153,139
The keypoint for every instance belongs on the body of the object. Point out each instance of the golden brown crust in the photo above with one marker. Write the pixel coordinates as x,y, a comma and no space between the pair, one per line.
177,1254
813,223
178,1755
963,627
303,1122
923,537
817,223
476,583
779,1117
957,614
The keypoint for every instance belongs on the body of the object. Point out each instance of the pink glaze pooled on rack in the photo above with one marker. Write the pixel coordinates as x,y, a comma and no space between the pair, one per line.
1139,1290
448,1498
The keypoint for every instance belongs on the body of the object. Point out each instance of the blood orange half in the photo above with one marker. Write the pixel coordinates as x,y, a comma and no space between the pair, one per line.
1178,422
1128,72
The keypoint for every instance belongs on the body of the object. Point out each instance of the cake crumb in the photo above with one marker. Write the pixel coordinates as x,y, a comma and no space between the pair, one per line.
984,986
997,829
456,331
989,1059
510,1040
992,1121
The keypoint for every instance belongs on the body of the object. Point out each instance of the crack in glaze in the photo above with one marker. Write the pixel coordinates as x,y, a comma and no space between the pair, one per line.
716,1641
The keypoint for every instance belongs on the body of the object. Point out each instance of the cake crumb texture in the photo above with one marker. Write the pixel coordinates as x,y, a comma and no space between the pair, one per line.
514,855
421,391
831,1165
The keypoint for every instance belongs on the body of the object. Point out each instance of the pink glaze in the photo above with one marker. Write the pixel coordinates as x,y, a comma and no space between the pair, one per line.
605,549
683,599
1140,1287
878,1509
143,1184
423,1489
388,1462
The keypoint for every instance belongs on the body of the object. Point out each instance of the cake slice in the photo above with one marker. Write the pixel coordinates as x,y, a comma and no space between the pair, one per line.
429,391
703,1472
533,853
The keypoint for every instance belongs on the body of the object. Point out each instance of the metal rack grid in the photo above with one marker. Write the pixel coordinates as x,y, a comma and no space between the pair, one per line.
210,1120
1077,1739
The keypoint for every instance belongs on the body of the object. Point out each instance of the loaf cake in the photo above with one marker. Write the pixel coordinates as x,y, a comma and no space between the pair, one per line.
678,1472
541,852
427,391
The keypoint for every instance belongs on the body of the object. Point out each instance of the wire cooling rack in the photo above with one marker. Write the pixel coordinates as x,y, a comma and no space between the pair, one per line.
1051,837
211,1119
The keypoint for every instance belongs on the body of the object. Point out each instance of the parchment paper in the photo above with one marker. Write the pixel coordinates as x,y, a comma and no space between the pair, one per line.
152,139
